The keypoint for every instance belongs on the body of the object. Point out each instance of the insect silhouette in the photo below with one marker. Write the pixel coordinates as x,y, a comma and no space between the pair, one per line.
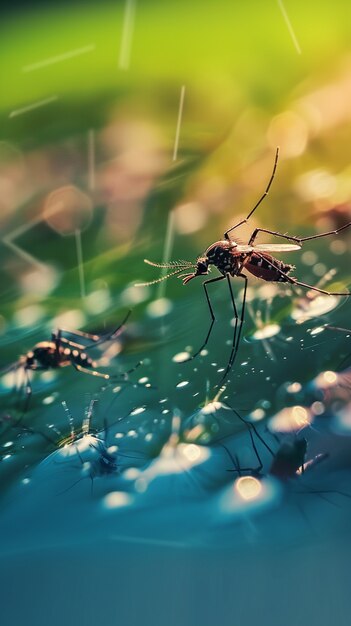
232,258
60,352
97,458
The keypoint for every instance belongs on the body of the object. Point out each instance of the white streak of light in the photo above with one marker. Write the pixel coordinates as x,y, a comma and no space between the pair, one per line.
179,121
289,25
58,58
78,236
35,105
127,33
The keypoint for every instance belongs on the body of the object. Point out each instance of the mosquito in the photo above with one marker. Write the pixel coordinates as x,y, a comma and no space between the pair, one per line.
102,459
60,352
231,258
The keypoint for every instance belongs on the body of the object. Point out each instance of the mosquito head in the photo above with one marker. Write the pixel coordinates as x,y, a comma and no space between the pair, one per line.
201,269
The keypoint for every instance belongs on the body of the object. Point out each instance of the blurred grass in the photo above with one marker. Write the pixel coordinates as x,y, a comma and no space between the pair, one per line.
225,51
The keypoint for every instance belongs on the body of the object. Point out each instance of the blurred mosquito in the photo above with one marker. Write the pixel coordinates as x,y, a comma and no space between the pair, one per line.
60,352
231,258
102,458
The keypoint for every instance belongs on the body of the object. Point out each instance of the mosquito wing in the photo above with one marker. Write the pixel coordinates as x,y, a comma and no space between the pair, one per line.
267,247
276,247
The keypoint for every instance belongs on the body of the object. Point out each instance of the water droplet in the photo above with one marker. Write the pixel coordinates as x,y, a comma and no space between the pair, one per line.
294,388
267,331
138,410
291,419
182,384
318,408
308,309
132,433
116,499
49,400
192,452
248,487
326,379
181,357
257,414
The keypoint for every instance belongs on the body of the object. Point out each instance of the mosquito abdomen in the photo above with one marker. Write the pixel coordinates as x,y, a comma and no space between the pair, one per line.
268,268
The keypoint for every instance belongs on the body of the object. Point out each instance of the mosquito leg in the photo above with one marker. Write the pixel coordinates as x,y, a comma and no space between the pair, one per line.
236,335
272,232
98,339
250,428
132,369
236,318
234,459
115,333
250,425
85,370
330,232
71,344
293,281
296,239
213,319
226,234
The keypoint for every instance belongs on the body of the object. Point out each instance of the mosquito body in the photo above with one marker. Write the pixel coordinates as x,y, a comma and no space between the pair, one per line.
232,258
61,352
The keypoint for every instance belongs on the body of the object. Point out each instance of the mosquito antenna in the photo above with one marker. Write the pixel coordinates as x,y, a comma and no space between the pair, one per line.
159,280
170,264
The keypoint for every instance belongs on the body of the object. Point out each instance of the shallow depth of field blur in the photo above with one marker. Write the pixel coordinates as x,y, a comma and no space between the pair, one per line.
133,130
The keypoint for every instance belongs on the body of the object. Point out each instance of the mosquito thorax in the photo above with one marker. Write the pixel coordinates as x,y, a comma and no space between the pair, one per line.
220,254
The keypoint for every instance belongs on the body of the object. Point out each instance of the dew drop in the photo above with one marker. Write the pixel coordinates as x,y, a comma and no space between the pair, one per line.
138,410
182,384
49,400
270,330
181,357
317,331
